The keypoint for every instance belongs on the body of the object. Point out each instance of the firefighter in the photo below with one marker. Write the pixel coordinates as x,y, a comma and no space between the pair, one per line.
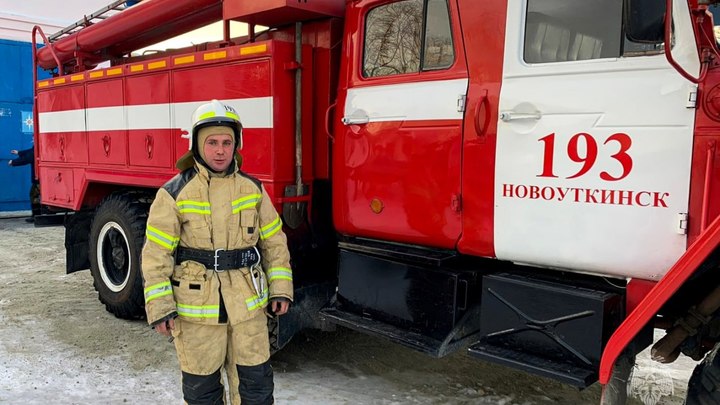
214,257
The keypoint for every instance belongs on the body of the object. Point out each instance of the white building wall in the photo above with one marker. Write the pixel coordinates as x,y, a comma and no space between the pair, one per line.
18,17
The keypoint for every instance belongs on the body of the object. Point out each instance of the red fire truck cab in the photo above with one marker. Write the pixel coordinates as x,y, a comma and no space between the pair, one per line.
531,180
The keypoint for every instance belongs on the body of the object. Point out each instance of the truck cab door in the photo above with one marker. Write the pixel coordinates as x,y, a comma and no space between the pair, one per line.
397,155
595,137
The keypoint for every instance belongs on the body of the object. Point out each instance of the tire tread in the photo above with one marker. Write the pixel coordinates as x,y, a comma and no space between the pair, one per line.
131,208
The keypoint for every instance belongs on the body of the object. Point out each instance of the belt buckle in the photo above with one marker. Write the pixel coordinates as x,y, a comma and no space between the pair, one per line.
216,257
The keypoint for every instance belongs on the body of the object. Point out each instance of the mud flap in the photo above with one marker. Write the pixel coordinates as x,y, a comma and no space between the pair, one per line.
77,244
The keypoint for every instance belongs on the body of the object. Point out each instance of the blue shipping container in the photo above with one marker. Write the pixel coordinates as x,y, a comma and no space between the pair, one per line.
16,123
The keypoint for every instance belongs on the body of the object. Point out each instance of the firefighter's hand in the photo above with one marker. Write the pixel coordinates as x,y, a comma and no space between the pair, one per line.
165,328
14,152
280,307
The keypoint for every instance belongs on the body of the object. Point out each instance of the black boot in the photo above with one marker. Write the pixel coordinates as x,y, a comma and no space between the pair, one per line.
256,384
202,389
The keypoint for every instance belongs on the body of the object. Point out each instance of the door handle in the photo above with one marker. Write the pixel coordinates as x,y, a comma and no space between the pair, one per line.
357,117
482,115
513,116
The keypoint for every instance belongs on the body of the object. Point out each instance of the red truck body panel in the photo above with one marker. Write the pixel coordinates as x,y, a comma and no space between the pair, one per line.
424,156
123,125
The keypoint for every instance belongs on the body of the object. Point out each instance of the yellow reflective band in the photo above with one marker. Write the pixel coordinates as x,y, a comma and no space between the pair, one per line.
185,59
209,114
197,207
161,238
279,273
215,55
198,311
245,202
157,291
270,229
248,50
256,302
157,65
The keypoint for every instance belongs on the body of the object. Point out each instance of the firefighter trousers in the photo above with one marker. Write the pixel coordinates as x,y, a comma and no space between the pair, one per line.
202,350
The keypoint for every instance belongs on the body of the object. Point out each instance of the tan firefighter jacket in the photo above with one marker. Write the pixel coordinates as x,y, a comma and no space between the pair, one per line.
209,212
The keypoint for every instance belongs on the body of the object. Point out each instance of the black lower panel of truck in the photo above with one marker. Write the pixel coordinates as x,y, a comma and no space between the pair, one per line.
408,295
546,327
551,323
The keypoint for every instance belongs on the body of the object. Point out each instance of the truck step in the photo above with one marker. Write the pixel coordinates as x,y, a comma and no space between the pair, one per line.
407,253
413,340
566,373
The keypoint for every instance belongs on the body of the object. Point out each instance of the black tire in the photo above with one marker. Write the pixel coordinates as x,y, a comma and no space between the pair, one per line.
704,384
116,239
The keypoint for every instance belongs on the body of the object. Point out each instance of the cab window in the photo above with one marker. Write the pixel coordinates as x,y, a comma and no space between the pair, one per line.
571,30
407,36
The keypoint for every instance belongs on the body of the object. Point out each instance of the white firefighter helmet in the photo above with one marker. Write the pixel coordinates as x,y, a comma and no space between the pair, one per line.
209,114
216,113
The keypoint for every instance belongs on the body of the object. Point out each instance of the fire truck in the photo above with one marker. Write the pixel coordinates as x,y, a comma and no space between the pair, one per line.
535,182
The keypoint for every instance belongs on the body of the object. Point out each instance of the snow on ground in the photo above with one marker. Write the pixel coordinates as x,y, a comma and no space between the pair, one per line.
58,345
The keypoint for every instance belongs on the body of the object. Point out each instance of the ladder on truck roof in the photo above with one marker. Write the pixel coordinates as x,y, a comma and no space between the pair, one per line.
110,10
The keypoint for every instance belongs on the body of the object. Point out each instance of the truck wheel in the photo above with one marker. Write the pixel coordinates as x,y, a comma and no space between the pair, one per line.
116,239
704,384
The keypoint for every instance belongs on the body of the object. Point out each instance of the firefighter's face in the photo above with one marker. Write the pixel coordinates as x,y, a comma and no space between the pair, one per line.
218,151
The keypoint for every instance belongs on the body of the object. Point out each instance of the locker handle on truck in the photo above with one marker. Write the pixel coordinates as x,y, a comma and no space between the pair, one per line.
106,145
149,145
62,146
358,117
513,116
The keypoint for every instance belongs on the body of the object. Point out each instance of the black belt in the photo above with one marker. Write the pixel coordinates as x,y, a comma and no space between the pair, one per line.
219,259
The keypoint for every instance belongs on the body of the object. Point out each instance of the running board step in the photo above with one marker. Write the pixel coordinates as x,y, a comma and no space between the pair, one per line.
415,341
565,373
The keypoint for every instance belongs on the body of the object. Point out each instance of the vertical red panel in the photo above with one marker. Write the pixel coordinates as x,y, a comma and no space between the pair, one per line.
62,145
149,145
483,24
107,144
